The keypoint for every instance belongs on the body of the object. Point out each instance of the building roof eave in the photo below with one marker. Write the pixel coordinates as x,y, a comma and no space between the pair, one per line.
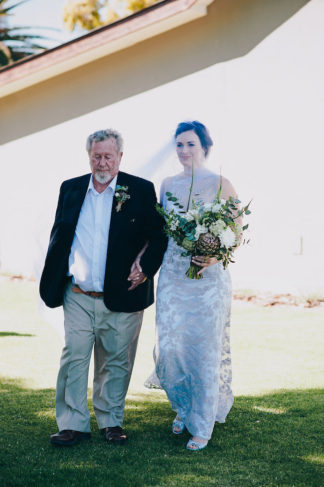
100,42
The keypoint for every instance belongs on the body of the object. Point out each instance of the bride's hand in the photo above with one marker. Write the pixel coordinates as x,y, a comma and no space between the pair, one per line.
136,275
204,262
136,268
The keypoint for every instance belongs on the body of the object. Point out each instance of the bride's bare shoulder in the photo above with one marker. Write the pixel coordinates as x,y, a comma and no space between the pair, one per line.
165,187
227,187
168,180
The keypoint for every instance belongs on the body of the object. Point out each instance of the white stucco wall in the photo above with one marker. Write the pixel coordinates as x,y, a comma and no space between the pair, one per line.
264,109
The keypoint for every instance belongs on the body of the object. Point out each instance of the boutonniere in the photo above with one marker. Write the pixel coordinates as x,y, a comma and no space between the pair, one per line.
121,196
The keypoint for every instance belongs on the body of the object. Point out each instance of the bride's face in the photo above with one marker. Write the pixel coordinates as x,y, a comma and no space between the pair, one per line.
189,149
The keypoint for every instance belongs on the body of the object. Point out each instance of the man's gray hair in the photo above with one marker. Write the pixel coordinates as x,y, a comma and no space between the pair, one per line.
101,135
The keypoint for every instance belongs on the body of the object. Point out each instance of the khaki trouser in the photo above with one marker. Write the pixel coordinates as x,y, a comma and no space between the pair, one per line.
88,323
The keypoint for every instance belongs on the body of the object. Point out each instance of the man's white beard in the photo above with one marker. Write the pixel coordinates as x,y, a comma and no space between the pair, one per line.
102,177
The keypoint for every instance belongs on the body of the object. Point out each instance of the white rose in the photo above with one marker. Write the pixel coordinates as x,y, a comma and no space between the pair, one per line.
227,238
174,225
188,216
199,230
216,207
208,206
223,201
217,227
192,215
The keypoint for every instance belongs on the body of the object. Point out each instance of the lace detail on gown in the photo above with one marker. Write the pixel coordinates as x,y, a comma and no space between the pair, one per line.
192,352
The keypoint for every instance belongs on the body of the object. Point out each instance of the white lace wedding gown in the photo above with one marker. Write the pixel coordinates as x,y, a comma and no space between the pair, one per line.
192,352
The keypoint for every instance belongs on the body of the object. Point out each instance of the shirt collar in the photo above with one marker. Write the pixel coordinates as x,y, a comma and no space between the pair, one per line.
111,185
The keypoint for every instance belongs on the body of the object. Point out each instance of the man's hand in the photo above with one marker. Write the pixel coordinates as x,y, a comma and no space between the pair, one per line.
136,275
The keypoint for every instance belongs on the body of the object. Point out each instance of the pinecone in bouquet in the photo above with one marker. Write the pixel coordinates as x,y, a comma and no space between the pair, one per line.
207,244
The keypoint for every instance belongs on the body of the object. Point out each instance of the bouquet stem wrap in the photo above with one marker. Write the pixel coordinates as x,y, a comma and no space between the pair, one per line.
193,270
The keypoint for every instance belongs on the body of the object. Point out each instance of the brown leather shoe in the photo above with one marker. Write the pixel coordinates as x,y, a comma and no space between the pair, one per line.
114,435
69,437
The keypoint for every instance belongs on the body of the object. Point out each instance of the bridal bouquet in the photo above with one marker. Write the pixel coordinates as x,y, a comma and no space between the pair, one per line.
208,229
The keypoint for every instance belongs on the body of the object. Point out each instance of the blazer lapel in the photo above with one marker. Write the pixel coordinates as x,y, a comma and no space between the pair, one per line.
75,200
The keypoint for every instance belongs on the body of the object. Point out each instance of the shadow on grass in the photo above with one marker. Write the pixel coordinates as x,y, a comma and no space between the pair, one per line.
14,334
270,440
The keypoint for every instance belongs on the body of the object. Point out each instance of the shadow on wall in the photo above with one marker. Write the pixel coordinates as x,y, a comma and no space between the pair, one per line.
231,29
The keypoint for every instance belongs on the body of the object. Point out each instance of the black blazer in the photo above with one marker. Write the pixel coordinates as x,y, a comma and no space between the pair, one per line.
136,223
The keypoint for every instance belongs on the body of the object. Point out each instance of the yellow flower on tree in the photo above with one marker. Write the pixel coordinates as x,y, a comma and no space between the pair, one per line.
89,14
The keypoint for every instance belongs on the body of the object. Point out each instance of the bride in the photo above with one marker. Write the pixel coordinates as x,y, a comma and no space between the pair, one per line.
192,352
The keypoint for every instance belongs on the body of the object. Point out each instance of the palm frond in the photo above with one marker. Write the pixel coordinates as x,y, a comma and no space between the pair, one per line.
15,42
4,11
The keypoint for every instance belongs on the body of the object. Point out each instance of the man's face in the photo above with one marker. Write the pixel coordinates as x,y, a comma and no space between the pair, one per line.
105,160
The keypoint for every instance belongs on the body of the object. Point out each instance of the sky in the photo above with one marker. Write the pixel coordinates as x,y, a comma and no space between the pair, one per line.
42,13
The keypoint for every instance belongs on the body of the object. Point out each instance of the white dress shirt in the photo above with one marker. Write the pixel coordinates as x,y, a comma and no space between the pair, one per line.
87,260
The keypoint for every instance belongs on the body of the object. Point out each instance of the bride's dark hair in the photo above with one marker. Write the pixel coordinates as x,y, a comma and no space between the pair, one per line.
200,130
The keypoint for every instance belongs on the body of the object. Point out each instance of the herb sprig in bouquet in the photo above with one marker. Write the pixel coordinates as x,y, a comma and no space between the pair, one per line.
208,229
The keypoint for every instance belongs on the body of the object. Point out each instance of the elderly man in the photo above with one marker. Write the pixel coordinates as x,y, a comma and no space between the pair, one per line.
103,220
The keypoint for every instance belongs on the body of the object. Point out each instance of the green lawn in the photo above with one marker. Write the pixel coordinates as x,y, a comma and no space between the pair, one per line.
273,435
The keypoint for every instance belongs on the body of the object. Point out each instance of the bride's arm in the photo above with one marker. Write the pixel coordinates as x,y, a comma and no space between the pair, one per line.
136,266
136,269
227,191
164,188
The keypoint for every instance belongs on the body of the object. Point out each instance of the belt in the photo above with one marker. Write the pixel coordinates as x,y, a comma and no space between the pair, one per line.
93,294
